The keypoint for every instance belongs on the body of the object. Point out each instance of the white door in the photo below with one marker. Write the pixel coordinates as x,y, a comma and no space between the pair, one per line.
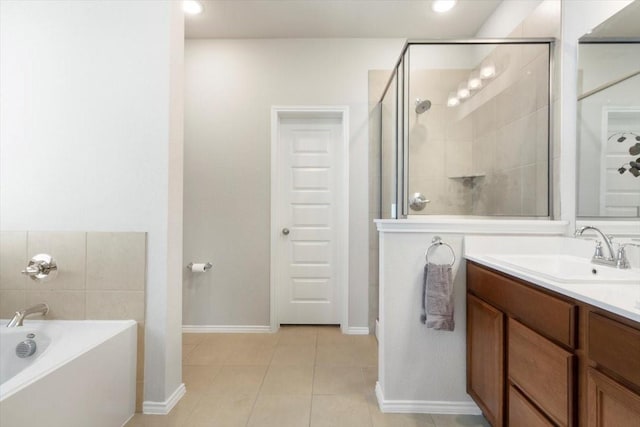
308,176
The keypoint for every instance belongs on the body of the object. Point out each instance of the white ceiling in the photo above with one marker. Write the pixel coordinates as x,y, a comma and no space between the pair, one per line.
337,18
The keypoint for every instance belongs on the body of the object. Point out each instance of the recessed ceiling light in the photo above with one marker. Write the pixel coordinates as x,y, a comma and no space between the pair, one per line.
442,6
192,7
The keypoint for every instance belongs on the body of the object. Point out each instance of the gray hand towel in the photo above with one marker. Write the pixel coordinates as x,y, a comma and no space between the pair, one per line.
437,297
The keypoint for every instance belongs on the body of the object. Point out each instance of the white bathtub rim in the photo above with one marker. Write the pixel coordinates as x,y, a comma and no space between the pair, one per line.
6,392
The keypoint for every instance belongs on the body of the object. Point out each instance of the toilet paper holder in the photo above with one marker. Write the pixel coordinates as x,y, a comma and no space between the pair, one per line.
199,268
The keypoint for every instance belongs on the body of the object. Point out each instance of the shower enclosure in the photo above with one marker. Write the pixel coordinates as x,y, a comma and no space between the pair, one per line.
464,129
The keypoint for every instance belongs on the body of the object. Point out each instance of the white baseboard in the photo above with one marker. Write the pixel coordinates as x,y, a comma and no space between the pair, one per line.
425,406
207,329
163,408
357,330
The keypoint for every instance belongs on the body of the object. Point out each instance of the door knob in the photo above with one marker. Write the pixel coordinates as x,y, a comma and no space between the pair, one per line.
285,231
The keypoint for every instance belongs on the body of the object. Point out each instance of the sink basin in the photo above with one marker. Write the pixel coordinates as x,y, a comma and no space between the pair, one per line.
569,269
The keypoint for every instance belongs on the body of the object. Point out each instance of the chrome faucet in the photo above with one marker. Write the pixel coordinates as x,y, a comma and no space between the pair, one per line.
598,257
18,318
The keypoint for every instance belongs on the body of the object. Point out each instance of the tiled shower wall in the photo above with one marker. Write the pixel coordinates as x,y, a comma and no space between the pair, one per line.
100,276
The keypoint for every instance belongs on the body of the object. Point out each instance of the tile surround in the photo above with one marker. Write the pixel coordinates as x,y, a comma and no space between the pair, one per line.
100,276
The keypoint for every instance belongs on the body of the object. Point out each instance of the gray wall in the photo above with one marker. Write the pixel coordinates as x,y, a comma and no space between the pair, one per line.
230,88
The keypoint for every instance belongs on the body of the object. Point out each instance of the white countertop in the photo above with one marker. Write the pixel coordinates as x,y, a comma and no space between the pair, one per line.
621,299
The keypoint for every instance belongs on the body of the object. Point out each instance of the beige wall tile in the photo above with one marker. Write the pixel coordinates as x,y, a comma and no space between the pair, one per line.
111,305
458,157
116,261
542,189
69,251
10,302
64,305
13,259
542,130
140,353
484,119
529,189
483,153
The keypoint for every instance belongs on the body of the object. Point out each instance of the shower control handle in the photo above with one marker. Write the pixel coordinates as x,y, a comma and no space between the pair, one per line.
285,231
417,201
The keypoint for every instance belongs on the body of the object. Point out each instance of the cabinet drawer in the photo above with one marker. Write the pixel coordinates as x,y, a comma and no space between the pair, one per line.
523,413
551,316
543,371
615,346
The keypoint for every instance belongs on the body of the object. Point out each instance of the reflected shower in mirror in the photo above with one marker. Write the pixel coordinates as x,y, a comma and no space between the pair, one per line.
608,134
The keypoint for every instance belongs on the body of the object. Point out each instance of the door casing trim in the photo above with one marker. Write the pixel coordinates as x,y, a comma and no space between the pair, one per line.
342,205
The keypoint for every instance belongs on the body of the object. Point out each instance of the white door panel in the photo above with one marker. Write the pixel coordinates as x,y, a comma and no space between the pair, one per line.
307,256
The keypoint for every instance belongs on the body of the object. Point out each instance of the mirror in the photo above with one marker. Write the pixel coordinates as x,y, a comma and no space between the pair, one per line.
608,135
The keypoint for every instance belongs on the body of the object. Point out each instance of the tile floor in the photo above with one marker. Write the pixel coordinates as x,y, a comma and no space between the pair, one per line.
301,376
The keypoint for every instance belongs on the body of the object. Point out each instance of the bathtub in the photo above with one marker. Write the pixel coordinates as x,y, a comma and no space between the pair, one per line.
83,373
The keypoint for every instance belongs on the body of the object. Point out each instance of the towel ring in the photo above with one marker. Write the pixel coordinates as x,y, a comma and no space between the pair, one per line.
436,242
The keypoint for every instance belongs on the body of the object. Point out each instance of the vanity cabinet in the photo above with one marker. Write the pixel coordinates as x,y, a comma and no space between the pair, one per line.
485,360
535,379
538,358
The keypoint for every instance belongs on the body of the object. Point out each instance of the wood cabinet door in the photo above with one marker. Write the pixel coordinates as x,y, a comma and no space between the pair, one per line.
610,403
485,358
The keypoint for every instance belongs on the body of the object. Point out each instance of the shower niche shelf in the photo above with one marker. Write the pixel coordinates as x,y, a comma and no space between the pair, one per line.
472,175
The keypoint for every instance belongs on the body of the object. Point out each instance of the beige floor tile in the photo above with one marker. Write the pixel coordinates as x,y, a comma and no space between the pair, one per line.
193,338
281,411
228,410
342,354
379,419
250,354
338,380
460,421
235,339
199,378
208,354
333,335
288,380
370,378
339,411
365,351
298,354
297,335
237,380
186,349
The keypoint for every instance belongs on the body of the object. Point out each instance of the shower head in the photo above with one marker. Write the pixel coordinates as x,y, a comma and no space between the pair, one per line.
422,105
